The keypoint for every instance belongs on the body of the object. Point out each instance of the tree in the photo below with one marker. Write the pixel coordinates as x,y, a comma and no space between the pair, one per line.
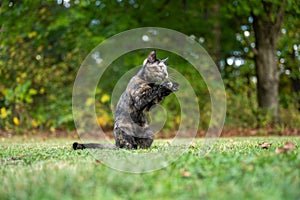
267,26
267,19
41,53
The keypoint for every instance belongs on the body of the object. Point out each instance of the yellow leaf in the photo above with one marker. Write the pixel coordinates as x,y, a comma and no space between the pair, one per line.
42,90
40,48
16,121
89,101
177,120
32,34
32,91
52,97
34,123
43,10
101,121
3,113
105,98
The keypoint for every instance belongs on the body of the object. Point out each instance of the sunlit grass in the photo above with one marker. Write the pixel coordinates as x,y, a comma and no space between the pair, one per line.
235,169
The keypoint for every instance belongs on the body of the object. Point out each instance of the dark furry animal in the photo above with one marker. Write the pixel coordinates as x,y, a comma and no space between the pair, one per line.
131,128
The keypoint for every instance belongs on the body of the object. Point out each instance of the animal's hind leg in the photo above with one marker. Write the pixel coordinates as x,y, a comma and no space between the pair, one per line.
144,143
124,140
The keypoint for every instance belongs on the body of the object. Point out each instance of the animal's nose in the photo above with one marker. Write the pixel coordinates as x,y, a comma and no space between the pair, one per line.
166,75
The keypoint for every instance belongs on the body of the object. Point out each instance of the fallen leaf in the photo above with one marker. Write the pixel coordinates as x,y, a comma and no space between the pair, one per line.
99,161
186,174
286,147
289,145
192,144
264,145
279,150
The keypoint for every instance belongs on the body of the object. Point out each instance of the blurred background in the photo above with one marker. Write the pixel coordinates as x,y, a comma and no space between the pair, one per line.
255,45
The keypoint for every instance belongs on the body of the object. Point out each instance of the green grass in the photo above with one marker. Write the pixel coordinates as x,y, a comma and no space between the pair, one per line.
235,169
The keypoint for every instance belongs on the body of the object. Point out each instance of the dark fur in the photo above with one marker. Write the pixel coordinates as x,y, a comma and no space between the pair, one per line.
131,128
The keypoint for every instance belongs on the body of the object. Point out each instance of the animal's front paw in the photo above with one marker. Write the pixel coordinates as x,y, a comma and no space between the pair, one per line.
168,84
175,87
172,86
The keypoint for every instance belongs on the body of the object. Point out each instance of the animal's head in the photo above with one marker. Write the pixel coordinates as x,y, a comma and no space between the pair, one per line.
154,70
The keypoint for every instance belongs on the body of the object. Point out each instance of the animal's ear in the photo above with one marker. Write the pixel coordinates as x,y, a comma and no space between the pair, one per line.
165,60
152,57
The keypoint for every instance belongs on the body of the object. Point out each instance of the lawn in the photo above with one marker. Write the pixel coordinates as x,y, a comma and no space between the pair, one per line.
236,168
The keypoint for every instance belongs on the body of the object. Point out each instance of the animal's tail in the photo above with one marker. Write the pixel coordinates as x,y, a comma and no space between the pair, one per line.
77,146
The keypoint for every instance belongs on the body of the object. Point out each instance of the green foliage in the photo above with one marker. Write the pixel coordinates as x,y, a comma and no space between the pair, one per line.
234,168
42,44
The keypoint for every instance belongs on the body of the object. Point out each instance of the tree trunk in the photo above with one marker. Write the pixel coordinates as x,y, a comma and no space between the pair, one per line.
267,80
267,27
